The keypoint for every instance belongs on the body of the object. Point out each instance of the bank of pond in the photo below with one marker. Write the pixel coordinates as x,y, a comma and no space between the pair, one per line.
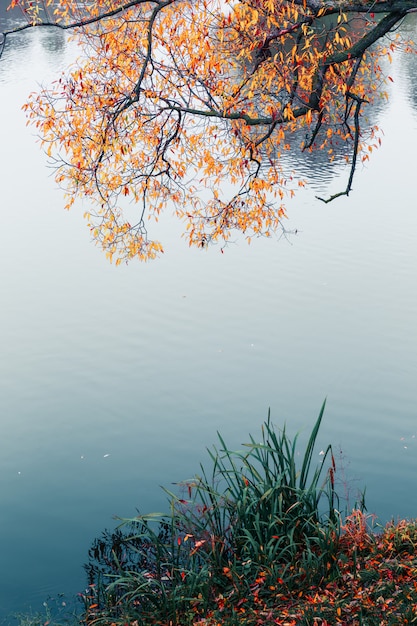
256,537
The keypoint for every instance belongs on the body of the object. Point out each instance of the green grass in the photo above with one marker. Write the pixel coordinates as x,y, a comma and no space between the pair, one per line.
249,521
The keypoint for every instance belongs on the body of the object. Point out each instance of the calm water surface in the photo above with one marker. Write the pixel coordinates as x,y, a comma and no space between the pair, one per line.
113,381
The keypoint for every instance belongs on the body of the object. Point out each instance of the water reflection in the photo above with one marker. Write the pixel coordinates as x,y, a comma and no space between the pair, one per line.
29,45
53,41
41,47
408,62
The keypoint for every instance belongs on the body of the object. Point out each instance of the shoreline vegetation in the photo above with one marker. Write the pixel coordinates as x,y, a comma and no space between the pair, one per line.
254,540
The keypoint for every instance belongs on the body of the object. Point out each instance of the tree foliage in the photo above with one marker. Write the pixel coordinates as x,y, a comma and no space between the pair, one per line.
188,106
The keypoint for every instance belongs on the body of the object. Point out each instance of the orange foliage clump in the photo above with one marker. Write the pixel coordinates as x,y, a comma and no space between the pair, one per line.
187,106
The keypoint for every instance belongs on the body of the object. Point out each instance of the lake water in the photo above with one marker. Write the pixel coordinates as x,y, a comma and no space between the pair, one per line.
114,380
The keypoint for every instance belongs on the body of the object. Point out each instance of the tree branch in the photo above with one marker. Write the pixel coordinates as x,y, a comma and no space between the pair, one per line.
78,23
358,103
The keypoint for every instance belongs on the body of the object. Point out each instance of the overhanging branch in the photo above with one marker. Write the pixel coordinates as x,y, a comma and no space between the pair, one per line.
358,103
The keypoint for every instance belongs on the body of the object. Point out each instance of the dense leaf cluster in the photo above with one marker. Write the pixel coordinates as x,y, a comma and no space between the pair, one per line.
190,108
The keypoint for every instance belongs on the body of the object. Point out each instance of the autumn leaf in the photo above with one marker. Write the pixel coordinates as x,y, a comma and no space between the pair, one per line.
169,101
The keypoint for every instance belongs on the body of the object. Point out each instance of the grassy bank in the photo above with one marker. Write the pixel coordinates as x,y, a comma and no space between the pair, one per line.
257,538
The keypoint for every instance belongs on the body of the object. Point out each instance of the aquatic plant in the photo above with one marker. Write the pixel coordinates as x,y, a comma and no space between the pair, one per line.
252,522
